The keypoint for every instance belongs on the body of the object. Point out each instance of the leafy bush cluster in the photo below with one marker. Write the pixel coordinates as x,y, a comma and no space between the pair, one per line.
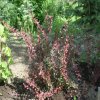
5,56
16,13
88,11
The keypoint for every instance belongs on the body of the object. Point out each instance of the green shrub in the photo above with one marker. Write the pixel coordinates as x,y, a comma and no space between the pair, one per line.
5,56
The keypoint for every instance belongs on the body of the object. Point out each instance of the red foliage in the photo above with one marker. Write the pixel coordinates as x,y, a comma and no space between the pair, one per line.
49,59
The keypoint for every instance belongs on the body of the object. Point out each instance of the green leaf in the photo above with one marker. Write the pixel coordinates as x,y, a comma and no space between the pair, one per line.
75,98
1,29
0,73
4,75
10,61
3,39
7,51
4,64
7,72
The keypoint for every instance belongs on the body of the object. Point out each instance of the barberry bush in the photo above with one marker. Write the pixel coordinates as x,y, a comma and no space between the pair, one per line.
49,56
49,63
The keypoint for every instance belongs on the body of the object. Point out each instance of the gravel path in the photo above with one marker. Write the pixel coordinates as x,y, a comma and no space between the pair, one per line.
19,53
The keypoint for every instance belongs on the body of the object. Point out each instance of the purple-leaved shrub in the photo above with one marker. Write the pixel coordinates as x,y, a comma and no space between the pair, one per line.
49,71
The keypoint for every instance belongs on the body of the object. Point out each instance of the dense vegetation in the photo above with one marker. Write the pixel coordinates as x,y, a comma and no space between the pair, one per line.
5,56
60,35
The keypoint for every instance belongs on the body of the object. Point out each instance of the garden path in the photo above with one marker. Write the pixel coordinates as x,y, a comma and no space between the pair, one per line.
20,58
19,69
